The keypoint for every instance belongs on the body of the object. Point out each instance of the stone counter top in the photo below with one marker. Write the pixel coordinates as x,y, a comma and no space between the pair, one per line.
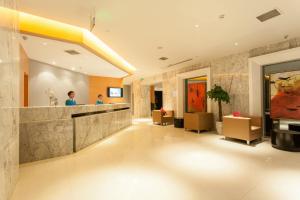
36,114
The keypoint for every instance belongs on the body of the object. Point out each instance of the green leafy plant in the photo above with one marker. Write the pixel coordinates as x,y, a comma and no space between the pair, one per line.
218,94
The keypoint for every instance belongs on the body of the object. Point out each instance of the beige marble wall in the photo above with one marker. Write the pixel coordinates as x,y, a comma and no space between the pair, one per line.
9,102
231,72
141,99
48,132
280,46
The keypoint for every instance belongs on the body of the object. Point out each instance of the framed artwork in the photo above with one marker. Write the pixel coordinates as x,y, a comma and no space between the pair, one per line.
196,97
285,95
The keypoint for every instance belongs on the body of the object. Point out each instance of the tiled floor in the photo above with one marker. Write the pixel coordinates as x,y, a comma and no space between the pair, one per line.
147,162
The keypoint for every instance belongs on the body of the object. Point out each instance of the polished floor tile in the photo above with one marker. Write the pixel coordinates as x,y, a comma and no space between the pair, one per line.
151,162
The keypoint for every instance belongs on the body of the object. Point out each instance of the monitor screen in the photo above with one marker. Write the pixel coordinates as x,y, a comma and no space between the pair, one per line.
115,92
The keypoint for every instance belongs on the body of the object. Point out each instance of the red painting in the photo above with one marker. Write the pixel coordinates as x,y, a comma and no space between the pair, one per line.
285,95
196,97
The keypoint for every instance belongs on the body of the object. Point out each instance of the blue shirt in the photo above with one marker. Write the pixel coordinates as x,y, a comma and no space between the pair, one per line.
70,102
98,102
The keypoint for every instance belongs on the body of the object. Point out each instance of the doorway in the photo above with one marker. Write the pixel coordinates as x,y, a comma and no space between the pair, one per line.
156,96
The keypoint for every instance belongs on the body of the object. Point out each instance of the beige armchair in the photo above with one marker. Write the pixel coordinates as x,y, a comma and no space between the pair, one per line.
159,118
242,128
198,121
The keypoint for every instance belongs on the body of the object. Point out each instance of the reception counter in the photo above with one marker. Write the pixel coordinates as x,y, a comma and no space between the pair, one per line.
48,132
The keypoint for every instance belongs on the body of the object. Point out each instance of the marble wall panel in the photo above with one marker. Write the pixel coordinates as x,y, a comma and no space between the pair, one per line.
280,46
9,102
45,139
34,114
141,100
48,132
231,72
90,129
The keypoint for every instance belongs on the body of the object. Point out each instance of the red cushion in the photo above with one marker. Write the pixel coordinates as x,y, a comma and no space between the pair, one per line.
163,111
236,114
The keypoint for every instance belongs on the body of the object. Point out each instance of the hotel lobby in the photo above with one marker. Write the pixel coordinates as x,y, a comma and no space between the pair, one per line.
164,100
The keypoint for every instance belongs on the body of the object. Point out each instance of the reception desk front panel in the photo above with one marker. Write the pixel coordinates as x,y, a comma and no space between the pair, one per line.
48,132
89,129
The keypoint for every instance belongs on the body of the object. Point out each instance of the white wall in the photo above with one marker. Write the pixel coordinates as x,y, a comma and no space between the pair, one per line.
43,77
255,89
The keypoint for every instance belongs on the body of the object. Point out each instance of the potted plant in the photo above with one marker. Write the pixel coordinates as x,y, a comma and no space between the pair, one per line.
218,94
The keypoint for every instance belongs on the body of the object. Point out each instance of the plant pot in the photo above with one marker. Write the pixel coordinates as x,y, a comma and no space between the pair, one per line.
219,127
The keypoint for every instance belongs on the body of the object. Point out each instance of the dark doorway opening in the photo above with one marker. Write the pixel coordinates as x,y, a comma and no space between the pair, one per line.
158,99
156,96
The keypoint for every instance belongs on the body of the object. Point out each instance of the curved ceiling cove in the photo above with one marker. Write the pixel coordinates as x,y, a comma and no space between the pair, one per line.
47,28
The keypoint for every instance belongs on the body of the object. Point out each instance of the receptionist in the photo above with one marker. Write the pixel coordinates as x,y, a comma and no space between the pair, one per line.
71,101
99,100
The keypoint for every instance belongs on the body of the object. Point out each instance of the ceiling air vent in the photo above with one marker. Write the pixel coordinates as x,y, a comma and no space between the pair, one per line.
72,52
184,61
268,15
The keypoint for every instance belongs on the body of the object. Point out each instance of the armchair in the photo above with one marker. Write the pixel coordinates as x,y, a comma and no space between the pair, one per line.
198,121
159,118
242,128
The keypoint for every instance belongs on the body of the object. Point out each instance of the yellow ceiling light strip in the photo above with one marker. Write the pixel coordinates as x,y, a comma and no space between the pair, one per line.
43,27
100,48
7,16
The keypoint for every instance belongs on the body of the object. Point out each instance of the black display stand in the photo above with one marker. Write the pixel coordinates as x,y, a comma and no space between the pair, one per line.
287,140
294,127
178,123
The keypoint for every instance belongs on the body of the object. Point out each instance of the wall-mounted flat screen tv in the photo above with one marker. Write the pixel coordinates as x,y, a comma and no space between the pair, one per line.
115,92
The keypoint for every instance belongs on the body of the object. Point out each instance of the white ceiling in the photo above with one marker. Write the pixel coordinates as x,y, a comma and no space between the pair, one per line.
53,52
135,28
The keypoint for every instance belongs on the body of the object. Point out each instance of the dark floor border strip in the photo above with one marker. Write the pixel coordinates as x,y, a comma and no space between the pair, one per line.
98,112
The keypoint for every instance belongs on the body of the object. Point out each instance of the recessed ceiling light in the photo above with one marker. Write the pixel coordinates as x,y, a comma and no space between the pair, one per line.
163,58
72,52
1,61
222,16
73,68
54,63
197,25
236,44
24,37
45,43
